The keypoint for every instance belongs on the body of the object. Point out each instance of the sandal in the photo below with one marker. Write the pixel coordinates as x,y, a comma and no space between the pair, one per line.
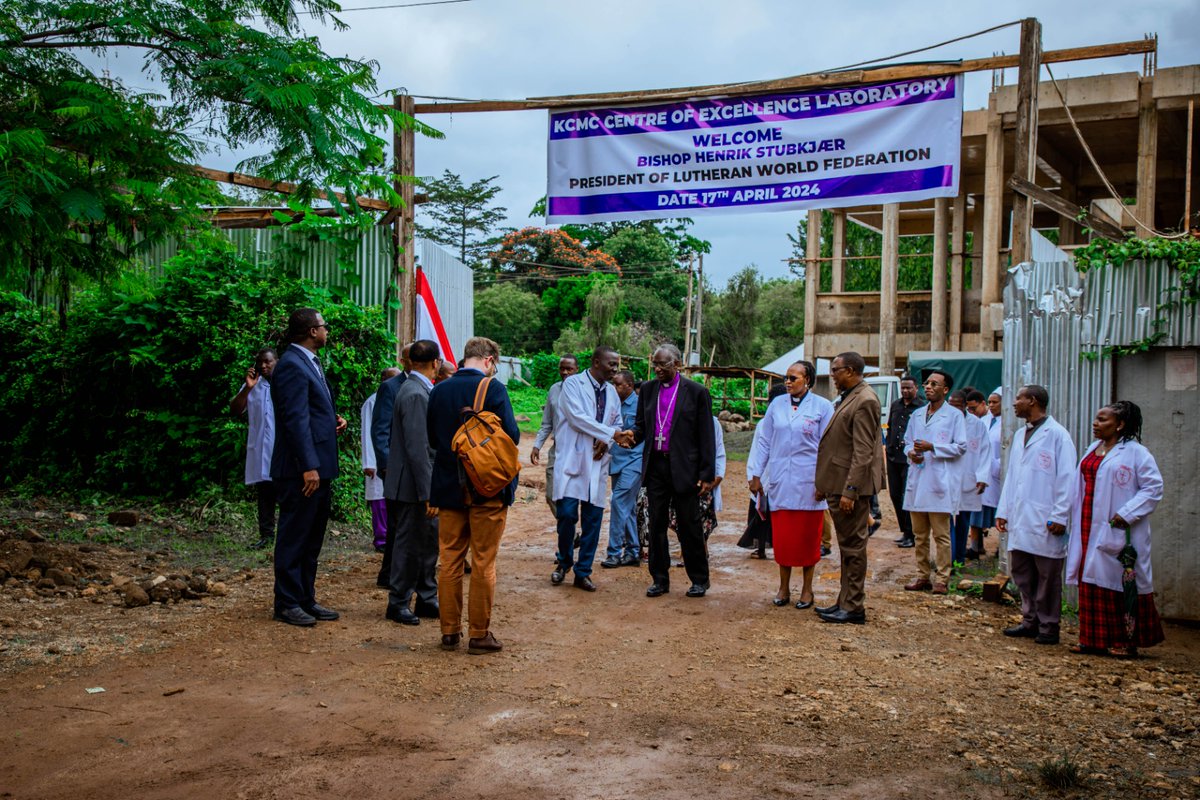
1087,650
1123,652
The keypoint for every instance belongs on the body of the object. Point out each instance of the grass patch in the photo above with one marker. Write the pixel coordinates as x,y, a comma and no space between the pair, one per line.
1060,774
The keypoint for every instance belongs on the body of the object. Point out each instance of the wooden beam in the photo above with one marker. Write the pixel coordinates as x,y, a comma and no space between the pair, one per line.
1025,150
808,81
1101,227
958,236
404,262
937,323
838,264
1147,156
812,282
1187,182
889,275
283,187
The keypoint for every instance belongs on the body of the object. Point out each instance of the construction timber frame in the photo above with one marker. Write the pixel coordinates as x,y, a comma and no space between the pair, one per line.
1021,140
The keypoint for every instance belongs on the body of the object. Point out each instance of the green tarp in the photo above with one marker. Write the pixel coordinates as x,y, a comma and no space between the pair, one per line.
982,370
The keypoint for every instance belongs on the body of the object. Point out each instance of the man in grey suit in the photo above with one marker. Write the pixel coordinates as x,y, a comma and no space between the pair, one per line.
412,523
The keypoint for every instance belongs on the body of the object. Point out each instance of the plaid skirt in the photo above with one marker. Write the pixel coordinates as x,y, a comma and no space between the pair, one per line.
1102,619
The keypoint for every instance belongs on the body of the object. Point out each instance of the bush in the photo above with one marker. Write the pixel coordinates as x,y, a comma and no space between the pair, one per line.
131,397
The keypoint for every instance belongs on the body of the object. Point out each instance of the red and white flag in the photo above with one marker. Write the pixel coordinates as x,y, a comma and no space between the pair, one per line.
429,320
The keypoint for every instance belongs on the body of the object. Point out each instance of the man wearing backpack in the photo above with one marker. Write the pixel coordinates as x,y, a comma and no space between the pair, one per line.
468,519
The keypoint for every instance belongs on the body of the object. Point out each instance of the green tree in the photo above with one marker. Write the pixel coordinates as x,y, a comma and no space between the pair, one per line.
780,318
510,316
731,319
89,164
642,305
462,216
566,300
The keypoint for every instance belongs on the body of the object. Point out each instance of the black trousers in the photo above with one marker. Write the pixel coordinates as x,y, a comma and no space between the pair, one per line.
897,475
266,509
660,495
302,522
414,554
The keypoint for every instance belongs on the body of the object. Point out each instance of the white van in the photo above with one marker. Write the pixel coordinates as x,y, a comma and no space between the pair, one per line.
887,388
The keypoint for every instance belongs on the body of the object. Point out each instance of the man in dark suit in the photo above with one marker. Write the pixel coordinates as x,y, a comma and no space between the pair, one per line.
381,436
849,472
467,521
412,522
304,462
674,417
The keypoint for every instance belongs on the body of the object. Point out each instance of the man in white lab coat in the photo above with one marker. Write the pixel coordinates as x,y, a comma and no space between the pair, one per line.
1034,509
934,441
568,365
587,416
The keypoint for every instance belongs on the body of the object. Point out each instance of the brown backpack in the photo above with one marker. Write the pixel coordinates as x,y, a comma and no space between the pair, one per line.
486,453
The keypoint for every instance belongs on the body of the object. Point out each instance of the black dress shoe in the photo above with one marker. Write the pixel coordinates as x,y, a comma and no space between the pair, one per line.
428,610
657,590
841,616
827,609
907,542
874,527
803,605
295,616
403,615
263,543
610,563
558,576
1046,638
697,590
322,613
825,551
585,583
780,602
1021,631
631,561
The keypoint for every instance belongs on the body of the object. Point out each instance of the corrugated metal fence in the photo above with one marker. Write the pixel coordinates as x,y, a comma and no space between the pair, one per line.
451,280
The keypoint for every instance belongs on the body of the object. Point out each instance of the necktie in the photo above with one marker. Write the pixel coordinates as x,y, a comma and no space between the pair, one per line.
601,400
324,382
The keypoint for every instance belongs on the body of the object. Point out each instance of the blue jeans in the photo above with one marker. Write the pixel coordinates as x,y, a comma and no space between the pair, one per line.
622,522
570,511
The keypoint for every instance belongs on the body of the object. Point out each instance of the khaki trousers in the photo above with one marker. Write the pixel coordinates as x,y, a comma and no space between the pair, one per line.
923,523
827,530
852,547
478,528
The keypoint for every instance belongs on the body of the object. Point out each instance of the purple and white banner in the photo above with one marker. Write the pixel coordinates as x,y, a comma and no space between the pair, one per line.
827,148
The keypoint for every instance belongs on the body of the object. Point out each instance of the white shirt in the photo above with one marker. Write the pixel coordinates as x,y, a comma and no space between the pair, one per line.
1039,487
260,439
719,438
935,485
577,473
785,452
995,426
975,464
374,485
1127,483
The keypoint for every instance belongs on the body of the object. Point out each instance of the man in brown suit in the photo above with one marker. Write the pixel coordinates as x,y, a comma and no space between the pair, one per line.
849,472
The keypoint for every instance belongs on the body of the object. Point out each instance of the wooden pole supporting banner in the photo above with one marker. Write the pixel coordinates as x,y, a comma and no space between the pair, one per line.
812,282
404,264
937,322
700,306
687,322
889,275
1025,149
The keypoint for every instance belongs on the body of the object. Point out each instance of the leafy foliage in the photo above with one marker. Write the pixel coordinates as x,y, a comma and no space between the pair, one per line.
461,216
1182,254
133,397
510,316
89,164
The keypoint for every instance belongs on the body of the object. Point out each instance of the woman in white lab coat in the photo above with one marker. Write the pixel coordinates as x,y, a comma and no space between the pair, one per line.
1119,486
786,443
973,468
981,521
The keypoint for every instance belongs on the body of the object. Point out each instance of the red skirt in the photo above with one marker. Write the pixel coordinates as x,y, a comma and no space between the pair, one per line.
797,537
1102,619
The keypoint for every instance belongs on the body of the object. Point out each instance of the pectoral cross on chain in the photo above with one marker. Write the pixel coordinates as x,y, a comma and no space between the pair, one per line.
660,440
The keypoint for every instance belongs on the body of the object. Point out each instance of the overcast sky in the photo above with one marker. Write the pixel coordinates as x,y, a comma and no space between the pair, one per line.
510,49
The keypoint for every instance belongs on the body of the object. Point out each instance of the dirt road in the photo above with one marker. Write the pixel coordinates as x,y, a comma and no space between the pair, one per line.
599,695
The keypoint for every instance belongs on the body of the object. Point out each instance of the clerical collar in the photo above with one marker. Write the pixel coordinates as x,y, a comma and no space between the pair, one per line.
672,382
1033,426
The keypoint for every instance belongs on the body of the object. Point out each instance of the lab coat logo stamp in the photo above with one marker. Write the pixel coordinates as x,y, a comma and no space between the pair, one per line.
1124,477
1045,461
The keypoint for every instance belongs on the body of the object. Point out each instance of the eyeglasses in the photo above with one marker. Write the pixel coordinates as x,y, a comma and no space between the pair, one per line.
662,363
834,370
324,325
790,378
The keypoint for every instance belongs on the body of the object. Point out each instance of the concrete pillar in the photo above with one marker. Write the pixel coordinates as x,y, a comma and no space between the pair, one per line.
937,325
839,251
889,276
957,242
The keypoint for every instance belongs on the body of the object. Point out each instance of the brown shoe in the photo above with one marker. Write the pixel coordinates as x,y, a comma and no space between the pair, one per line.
940,588
450,641
480,647
918,585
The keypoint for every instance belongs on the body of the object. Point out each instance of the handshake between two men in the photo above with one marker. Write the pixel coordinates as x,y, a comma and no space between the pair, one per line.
625,439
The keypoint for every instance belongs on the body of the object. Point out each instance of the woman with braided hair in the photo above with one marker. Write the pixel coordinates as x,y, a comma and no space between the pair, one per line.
1119,486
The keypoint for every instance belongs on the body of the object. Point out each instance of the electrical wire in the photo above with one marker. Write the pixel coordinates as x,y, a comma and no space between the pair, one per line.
393,5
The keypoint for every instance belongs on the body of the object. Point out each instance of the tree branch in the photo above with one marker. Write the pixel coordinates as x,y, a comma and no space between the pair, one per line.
95,26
